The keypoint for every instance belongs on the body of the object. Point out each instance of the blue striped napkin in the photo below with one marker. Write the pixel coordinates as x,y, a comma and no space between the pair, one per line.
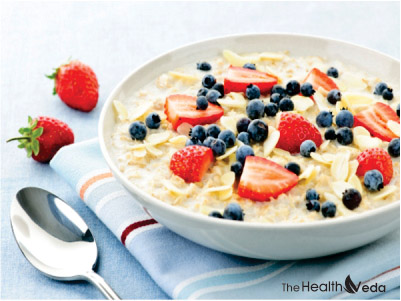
185,270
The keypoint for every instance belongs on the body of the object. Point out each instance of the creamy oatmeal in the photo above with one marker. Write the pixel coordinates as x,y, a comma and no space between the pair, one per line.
330,170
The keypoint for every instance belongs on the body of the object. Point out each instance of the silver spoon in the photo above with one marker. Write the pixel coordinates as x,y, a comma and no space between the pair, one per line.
55,239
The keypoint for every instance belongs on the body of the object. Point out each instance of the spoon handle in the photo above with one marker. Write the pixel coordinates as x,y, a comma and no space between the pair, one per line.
103,287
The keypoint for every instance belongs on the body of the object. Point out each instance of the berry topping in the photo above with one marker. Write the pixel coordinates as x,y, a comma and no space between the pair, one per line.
313,205
201,103
137,130
329,209
208,141
380,87
293,167
243,152
255,109
311,194
182,109
244,138
271,109
215,214
318,79
388,94
345,118
307,89
394,148
373,180
398,110
351,198
295,129
202,92
213,131
238,79
204,66
191,162
242,124
153,121
277,89
208,81
198,132
193,141
252,92
333,96
228,137
293,88
345,136
220,88
307,147
375,158
249,66
286,104
332,72
263,179
236,167
233,211
375,119
330,134
212,96
258,130
218,147
275,98
324,119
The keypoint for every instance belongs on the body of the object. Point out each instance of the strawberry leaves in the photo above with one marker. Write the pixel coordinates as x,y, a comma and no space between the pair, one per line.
29,138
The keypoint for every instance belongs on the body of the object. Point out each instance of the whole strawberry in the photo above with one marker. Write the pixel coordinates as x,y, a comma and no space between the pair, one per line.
43,137
76,84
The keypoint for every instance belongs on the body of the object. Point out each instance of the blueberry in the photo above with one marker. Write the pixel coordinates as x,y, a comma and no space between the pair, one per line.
307,89
220,88
212,96
244,138
279,90
213,131
153,121
202,92
198,132
351,198
345,136
333,96
233,211
137,130
208,81
373,180
311,194
252,92
379,89
255,109
204,66
242,152
313,205
329,209
398,110
218,147
249,66
228,137
345,118
275,98
293,88
201,103
236,167
388,94
215,214
394,147
293,167
330,134
208,141
193,141
242,124
332,72
286,104
324,119
271,109
258,130
307,147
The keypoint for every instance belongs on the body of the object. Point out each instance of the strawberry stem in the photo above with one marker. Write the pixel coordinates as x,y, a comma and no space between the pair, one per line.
29,140
18,138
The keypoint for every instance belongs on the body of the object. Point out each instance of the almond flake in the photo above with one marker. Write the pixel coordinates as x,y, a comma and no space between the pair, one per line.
394,127
282,153
271,142
360,130
179,140
183,76
139,153
233,100
339,167
355,182
237,60
170,187
387,190
218,188
228,178
319,158
355,102
158,138
229,123
321,101
271,56
137,146
153,150
225,194
228,152
120,110
308,173
140,111
353,166
302,103
324,145
363,142
328,157
339,188
352,81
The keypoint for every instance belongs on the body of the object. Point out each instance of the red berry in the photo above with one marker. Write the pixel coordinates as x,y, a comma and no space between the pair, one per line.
43,137
375,158
319,79
76,85
295,129
191,162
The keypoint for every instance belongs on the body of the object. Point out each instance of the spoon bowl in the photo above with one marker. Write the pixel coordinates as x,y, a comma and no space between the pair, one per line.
54,238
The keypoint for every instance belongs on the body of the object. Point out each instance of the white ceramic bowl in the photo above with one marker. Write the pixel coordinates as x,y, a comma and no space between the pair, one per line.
257,240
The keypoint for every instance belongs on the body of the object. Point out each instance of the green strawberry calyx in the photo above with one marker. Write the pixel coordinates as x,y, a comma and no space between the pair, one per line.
53,76
29,140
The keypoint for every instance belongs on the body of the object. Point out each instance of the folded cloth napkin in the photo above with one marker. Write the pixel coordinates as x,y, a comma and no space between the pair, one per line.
186,270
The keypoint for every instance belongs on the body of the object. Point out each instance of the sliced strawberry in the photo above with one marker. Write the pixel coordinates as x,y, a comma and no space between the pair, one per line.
238,78
319,79
375,158
295,129
263,179
191,162
182,108
375,119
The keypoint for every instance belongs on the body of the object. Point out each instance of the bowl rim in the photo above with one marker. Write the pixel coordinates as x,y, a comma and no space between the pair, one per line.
222,222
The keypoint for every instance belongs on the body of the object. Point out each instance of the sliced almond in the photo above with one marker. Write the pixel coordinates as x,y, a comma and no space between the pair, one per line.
170,187
324,145
183,76
339,167
363,142
319,158
271,56
228,153
137,146
386,191
356,101
307,173
120,110
355,182
328,157
153,150
302,103
271,142
233,100
179,140
229,123
218,188
360,130
282,153
225,194
394,127
331,197
237,60
140,111
339,187
158,138
353,166
352,81
228,178
139,153
321,101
